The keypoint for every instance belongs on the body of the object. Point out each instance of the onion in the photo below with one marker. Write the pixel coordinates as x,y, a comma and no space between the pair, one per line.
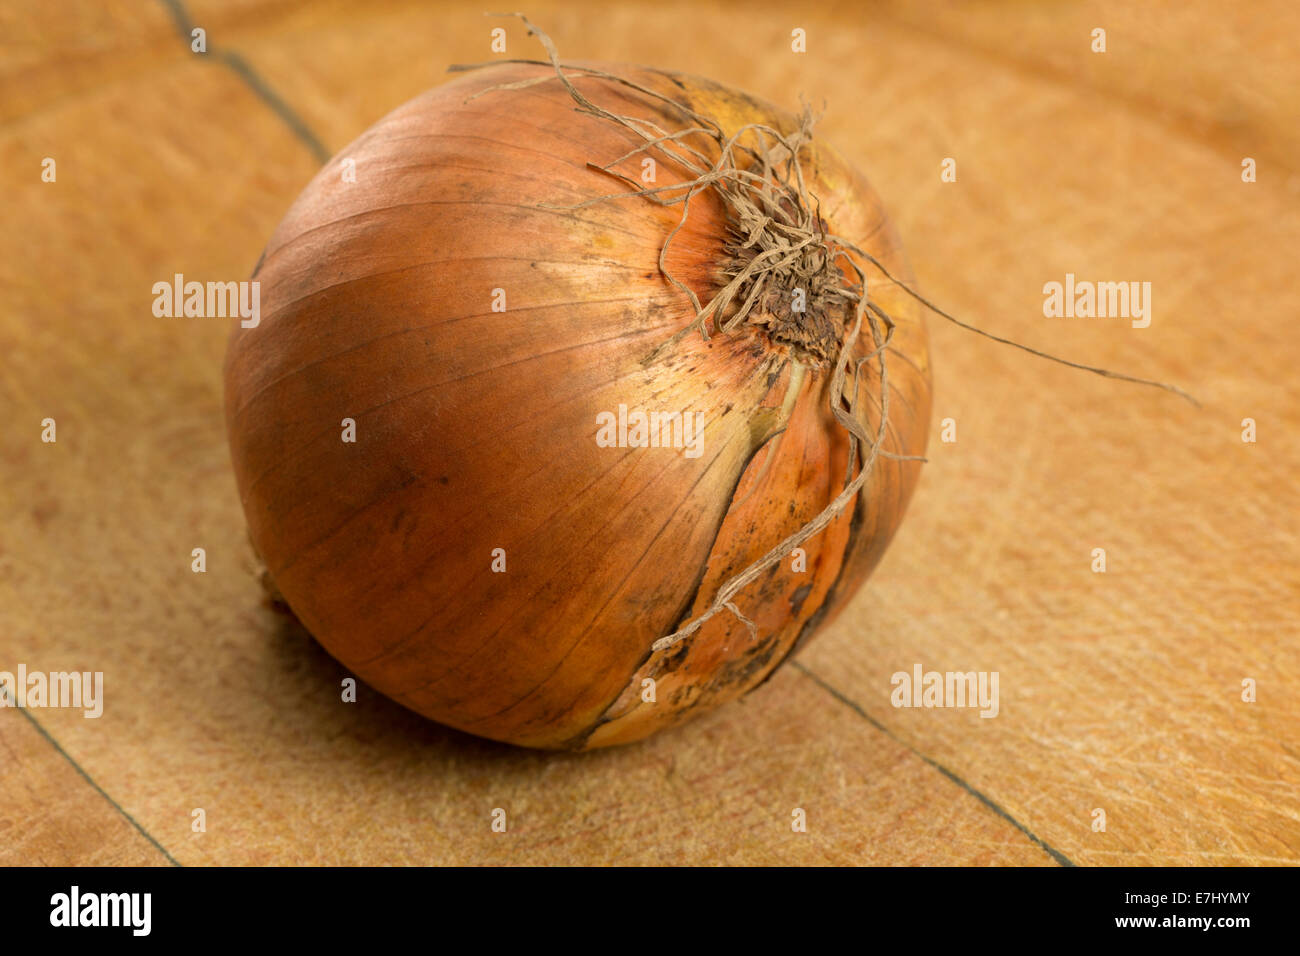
503,303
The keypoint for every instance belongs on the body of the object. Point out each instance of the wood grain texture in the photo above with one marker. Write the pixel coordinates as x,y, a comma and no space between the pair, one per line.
51,815
1119,691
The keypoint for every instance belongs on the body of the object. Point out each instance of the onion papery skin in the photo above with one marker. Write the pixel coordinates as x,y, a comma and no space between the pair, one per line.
476,429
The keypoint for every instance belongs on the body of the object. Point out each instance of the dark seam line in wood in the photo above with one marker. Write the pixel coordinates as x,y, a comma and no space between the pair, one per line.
90,780
1050,850
241,67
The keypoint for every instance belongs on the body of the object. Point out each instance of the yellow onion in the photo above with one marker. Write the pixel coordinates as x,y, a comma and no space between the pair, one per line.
484,286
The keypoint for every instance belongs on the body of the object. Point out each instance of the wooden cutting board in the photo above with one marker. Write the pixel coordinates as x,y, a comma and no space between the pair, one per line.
1119,691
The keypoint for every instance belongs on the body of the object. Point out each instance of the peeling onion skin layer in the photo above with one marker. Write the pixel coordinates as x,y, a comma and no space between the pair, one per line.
476,429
